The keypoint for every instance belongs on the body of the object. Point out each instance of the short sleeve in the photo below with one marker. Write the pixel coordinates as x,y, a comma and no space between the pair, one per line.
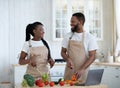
92,45
65,42
25,47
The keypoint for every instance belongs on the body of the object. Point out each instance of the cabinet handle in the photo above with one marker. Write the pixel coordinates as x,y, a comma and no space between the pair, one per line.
117,68
105,67
117,76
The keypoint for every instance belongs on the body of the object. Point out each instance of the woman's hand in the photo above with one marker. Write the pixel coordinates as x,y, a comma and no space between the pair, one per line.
51,62
70,64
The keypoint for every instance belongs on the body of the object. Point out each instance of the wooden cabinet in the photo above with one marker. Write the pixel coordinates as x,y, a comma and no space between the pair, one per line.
111,75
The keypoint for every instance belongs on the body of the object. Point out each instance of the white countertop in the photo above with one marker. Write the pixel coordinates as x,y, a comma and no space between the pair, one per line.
95,63
67,86
115,64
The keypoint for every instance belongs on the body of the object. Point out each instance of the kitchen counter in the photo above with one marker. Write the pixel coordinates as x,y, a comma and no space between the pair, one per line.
66,86
111,74
95,63
107,64
15,65
19,71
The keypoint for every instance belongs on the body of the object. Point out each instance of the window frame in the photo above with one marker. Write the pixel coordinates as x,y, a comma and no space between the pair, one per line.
69,14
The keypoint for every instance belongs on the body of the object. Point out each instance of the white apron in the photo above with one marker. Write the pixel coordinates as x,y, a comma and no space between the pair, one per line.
41,59
76,52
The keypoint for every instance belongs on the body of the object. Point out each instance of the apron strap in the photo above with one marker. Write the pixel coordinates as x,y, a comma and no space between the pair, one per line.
83,37
71,36
29,43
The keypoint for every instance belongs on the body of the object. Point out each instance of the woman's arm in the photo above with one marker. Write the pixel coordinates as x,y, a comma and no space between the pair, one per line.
22,60
51,62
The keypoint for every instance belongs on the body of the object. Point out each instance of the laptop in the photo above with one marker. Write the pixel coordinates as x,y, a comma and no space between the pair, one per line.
94,77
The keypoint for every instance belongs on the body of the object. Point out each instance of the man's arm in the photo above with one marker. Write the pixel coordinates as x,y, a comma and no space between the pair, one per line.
90,60
66,57
64,54
87,63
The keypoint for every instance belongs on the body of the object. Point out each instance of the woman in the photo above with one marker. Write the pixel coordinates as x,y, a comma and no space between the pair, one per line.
36,52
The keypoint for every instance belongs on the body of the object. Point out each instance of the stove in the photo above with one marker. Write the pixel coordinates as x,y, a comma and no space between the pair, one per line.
57,71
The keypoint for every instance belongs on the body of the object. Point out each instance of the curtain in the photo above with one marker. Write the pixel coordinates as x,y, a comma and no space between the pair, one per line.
117,19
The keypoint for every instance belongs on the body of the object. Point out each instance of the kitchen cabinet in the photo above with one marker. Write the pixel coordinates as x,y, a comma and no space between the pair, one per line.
18,73
111,75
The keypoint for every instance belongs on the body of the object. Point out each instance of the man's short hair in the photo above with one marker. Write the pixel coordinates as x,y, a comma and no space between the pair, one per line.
80,16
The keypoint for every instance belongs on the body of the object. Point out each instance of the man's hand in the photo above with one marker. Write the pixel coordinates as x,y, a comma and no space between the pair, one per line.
51,62
79,73
70,64
87,63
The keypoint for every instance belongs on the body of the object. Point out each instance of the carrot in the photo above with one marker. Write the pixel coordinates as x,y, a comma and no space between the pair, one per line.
73,78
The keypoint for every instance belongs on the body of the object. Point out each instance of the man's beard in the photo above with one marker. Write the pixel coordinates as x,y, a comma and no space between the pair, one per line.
75,28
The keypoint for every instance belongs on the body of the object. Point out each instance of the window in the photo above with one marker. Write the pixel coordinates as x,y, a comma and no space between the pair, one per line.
95,18
63,10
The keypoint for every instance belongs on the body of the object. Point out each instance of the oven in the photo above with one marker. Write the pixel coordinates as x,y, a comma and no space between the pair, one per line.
58,69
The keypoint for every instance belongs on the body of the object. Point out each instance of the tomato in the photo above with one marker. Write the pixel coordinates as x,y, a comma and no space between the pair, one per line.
38,81
41,84
61,83
46,82
51,84
71,83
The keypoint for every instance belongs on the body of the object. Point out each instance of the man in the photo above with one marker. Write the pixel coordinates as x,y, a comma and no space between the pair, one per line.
78,49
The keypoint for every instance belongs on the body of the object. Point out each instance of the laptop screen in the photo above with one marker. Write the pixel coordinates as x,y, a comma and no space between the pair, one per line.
94,77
